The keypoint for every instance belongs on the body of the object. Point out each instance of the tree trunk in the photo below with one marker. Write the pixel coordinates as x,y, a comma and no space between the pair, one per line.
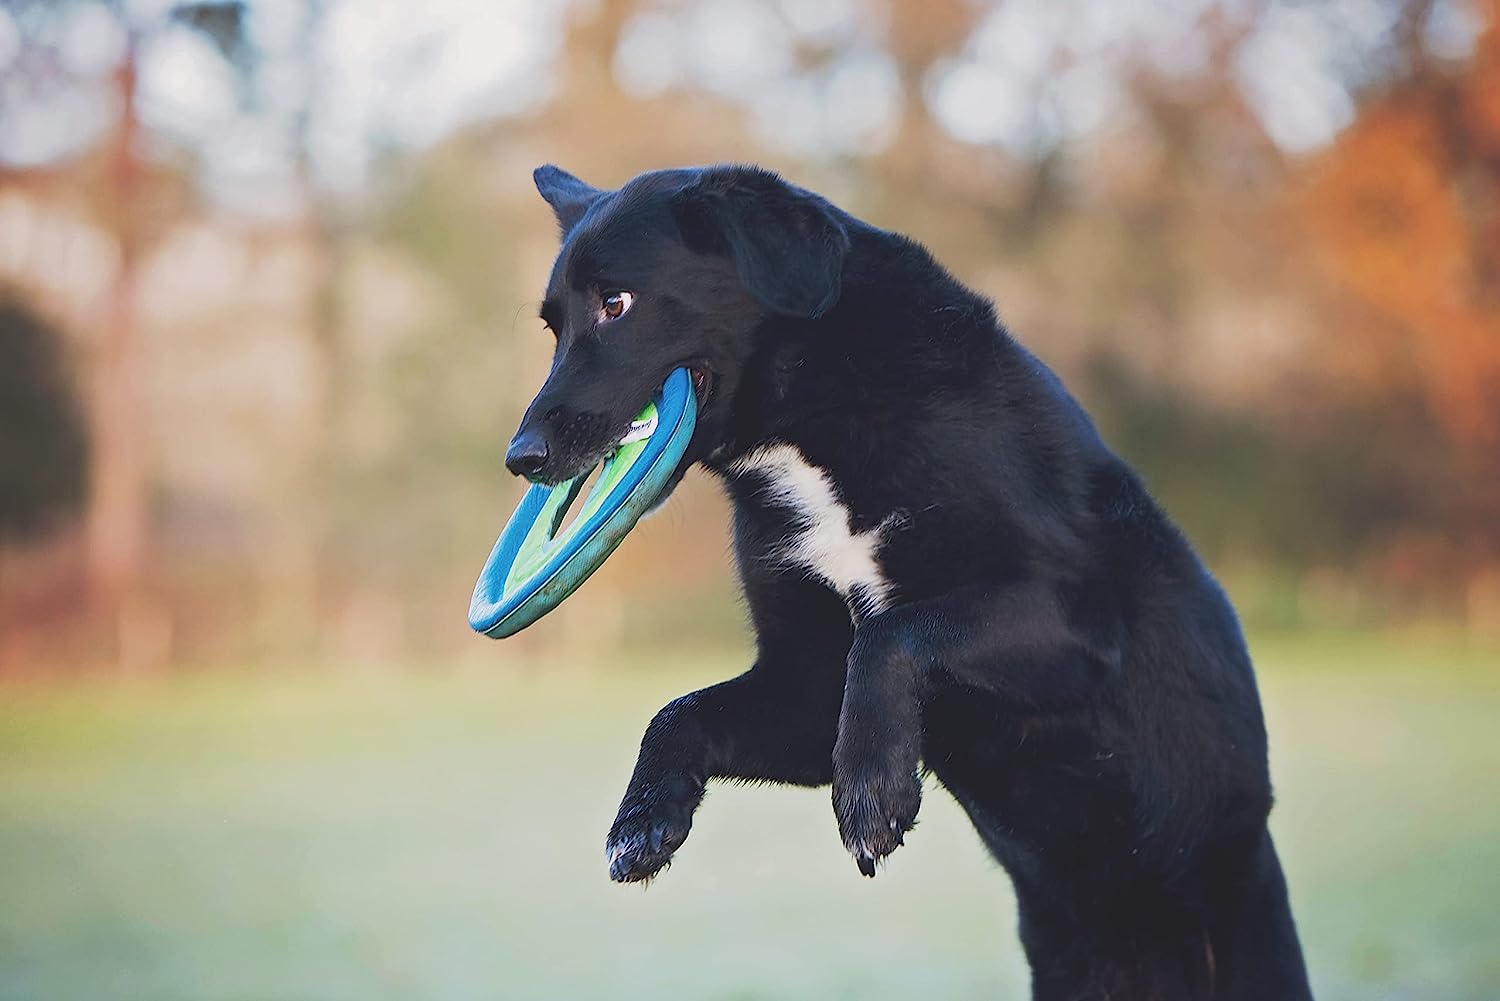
118,503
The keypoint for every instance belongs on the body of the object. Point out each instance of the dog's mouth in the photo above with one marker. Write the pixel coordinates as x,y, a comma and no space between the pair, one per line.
703,382
703,387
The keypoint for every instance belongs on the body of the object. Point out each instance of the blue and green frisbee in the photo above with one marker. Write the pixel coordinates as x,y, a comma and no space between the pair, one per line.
536,562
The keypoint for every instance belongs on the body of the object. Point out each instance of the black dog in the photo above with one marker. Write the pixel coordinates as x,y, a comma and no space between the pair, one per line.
946,568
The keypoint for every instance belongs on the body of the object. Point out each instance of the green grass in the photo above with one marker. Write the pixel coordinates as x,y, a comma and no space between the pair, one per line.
440,835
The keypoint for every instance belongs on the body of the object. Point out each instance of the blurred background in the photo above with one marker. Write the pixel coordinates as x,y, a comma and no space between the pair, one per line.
269,274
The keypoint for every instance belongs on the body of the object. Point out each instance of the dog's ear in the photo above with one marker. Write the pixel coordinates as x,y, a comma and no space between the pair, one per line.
569,197
787,244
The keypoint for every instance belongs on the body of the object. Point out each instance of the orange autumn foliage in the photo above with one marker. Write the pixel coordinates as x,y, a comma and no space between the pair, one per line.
1404,212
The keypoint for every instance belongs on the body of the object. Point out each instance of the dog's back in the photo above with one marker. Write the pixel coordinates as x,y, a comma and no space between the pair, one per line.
1127,796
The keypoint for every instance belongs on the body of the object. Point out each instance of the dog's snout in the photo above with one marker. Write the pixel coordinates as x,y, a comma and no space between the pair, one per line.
527,454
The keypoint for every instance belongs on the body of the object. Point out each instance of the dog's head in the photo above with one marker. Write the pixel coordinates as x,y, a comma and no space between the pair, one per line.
678,268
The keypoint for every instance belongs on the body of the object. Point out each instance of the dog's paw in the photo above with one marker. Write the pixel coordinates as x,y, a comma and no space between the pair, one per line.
653,822
875,809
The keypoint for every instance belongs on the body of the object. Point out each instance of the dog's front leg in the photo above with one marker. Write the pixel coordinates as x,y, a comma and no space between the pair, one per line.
1038,644
774,723
763,725
876,786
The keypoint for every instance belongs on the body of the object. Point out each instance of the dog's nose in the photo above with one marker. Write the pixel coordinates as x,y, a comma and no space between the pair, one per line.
527,454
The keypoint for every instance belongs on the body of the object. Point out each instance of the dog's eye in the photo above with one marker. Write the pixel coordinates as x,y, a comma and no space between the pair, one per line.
615,305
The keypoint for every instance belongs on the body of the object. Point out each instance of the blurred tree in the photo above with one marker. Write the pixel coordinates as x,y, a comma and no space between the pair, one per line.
134,200
1405,212
43,433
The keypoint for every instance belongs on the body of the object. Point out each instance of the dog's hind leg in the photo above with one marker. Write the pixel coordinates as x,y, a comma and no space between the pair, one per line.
774,723
1035,644
1255,939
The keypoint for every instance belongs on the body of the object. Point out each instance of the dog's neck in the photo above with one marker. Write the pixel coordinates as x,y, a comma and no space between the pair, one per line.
785,384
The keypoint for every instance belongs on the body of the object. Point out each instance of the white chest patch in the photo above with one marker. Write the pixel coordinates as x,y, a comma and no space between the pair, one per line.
822,541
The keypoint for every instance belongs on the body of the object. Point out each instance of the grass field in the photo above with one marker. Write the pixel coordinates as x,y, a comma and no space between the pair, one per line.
439,835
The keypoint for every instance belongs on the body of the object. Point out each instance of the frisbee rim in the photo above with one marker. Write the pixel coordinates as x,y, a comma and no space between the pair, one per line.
495,613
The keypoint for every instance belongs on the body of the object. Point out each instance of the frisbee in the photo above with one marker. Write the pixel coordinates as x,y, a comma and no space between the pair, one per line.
536,563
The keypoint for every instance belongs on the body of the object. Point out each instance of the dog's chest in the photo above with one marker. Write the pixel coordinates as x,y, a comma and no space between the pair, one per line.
821,539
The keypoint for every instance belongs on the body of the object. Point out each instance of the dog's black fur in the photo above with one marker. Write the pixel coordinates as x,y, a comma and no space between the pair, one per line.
1053,650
